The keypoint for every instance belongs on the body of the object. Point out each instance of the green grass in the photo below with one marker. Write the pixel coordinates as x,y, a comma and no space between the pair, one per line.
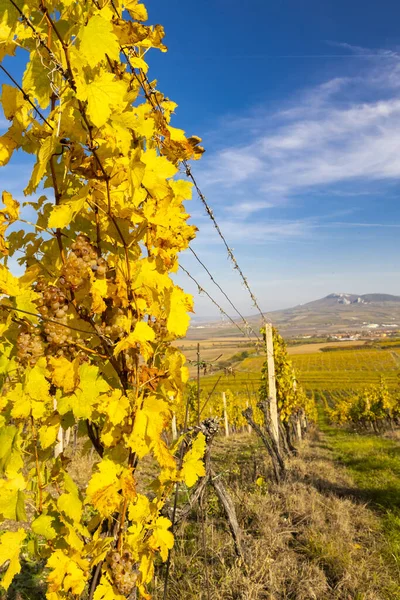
374,464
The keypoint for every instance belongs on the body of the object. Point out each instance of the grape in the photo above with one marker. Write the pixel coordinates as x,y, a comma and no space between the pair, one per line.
81,258
123,572
29,347
54,306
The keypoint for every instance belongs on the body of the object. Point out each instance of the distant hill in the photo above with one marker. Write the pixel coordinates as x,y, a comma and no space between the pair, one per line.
337,312
346,299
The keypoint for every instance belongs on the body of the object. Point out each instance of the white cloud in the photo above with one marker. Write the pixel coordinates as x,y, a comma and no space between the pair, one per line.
245,209
332,135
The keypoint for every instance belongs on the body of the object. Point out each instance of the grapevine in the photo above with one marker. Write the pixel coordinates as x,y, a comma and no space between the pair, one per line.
291,398
88,329
375,407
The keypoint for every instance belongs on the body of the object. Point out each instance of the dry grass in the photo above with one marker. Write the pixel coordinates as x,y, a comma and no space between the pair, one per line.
305,539
309,538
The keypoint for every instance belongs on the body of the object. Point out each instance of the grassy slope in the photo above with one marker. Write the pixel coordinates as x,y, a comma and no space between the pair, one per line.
374,464
309,538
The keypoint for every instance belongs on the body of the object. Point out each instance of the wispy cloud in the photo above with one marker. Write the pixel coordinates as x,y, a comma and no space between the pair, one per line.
339,135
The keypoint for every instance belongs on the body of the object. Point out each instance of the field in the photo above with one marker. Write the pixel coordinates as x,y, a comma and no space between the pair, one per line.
340,370
215,349
330,375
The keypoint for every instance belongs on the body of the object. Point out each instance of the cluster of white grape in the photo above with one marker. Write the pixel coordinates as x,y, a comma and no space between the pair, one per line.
111,325
81,258
123,572
55,307
29,347
160,328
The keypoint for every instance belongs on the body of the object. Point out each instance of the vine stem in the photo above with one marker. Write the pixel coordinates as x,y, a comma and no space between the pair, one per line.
181,454
37,467
26,96
57,193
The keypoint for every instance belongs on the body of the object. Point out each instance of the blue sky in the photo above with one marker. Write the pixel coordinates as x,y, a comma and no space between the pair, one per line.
298,105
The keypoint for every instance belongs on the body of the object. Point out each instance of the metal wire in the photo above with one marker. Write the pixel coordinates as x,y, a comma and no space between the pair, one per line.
152,98
221,235
247,324
201,289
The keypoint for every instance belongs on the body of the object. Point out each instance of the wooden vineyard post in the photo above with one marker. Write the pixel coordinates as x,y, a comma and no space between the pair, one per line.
248,424
59,447
173,427
198,384
298,423
225,415
273,405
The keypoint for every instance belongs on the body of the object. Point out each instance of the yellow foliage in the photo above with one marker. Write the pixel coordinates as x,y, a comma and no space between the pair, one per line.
96,40
88,328
10,548
142,335
193,465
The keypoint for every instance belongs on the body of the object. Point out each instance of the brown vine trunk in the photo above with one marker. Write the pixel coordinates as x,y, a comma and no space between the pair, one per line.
230,512
223,495
277,463
289,429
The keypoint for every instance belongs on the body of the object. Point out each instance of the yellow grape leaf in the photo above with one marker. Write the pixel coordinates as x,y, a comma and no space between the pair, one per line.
178,304
66,574
43,525
10,451
7,147
150,420
140,511
138,439
143,125
6,47
11,100
115,406
182,189
62,215
162,539
139,63
137,11
177,135
177,368
97,39
36,383
105,591
71,535
98,291
11,206
104,92
193,464
48,432
147,570
71,506
91,385
21,403
47,149
142,334
36,81
128,484
10,548
12,498
64,373
103,488
159,168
